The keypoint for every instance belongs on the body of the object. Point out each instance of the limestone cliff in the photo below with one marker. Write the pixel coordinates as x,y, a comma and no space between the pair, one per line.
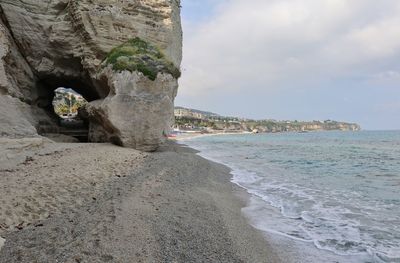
64,43
192,119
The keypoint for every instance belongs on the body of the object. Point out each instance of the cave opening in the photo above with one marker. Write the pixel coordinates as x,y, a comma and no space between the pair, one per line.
62,100
66,105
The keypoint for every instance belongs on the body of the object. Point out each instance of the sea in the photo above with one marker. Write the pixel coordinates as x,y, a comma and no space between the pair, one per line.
339,191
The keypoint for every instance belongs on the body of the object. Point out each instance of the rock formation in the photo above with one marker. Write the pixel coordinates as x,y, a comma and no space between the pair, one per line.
65,43
212,122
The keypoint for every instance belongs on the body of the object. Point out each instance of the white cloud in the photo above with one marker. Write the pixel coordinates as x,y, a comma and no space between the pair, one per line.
388,78
277,44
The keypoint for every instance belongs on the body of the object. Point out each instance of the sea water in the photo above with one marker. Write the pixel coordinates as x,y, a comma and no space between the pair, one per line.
338,190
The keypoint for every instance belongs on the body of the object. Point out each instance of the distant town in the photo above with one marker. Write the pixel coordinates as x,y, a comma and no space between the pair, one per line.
192,120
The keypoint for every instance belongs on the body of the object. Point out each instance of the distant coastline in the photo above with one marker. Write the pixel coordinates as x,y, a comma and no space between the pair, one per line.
192,120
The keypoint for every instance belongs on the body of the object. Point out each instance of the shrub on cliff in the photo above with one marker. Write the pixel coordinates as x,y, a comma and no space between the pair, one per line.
139,55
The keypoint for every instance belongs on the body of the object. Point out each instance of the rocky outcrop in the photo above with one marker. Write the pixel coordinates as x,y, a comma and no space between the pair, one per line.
137,113
302,126
64,43
211,122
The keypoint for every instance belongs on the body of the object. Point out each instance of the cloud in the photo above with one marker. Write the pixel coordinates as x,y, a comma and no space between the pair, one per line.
389,76
269,45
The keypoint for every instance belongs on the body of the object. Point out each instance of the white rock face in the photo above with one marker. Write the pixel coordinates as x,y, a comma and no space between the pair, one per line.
14,118
2,241
53,34
137,113
48,44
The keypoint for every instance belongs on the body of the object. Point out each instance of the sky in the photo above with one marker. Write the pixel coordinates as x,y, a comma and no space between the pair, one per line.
293,59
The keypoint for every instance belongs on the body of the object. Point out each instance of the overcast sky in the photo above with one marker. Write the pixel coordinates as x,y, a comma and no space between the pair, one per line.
293,59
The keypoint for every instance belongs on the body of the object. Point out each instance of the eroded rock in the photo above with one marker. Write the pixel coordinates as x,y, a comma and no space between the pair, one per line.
137,113
49,44
2,241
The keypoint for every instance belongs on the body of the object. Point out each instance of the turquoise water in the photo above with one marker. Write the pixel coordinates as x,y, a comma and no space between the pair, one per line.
339,190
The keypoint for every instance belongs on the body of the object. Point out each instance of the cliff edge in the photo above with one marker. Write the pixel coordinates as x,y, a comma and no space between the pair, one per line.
122,56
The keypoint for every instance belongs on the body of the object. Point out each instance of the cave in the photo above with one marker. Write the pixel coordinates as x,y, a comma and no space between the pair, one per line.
128,75
53,125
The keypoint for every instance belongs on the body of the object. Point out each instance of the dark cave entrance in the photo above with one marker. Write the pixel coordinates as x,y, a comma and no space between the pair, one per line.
61,99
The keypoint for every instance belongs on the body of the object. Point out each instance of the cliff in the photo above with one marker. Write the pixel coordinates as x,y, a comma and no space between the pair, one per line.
45,45
206,121
299,126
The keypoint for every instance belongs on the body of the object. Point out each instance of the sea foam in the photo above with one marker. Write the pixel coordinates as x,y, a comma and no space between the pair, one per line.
328,189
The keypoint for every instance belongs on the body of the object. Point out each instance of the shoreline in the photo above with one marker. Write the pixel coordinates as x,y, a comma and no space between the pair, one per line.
173,205
168,206
296,250
188,136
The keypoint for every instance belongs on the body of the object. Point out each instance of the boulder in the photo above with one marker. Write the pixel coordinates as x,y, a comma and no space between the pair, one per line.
137,113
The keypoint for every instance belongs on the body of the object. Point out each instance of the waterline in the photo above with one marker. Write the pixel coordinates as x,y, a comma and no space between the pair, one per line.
337,190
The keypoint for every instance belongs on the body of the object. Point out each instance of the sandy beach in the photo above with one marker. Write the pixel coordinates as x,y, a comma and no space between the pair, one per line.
182,137
102,203
69,202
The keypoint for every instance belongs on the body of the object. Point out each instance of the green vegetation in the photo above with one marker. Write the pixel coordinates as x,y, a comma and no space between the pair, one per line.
138,55
187,119
66,102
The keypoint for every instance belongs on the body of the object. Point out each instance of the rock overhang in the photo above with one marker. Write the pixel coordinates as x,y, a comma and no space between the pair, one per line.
66,44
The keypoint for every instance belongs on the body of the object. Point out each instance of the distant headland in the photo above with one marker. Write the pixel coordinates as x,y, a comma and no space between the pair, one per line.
187,119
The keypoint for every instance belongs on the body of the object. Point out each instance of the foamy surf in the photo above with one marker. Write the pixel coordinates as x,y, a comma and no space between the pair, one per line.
326,189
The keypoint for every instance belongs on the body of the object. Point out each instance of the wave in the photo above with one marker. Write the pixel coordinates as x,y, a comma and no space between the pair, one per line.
311,215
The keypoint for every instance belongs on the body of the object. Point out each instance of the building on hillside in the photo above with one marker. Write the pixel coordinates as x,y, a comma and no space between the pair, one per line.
181,112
